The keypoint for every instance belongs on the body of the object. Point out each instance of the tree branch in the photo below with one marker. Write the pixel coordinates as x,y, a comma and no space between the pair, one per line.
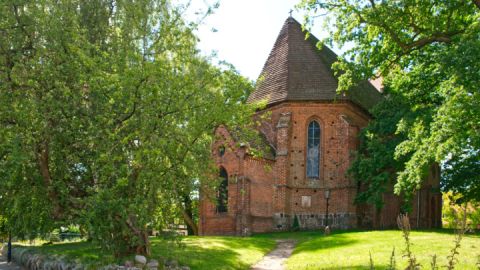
134,109
445,37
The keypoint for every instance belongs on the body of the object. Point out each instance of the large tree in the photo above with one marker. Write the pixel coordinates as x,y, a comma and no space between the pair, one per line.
107,115
428,54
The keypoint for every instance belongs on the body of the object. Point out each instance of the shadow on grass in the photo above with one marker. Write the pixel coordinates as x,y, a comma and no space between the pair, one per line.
196,252
314,240
475,233
308,235
352,267
300,236
325,242
86,252
215,252
207,258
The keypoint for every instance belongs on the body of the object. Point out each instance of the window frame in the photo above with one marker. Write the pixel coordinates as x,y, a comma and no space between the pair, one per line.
320,148
223,186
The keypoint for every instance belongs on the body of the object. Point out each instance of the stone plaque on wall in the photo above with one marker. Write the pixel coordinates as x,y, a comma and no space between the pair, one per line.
306,201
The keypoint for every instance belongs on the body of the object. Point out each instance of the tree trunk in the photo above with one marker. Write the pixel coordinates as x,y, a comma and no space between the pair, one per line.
9,252
188,216
142,248
43,163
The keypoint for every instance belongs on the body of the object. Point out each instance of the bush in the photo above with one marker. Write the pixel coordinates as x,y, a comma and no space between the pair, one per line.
451,209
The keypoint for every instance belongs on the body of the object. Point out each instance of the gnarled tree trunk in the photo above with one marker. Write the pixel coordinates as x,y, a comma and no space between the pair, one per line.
187,212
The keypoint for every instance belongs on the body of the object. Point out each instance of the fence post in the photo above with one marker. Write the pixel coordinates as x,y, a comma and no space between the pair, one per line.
9,253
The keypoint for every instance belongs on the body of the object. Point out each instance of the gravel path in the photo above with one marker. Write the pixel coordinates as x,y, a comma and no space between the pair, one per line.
275,259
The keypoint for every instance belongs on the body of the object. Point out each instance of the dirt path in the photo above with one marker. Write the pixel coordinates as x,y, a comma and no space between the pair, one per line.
275,259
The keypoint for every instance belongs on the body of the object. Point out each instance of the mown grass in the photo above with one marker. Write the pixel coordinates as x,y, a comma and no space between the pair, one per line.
209,252
82,251
217,252
351,250
340,250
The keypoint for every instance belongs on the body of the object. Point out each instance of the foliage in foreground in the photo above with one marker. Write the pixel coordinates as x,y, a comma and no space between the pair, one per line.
107,116
427,54
451,211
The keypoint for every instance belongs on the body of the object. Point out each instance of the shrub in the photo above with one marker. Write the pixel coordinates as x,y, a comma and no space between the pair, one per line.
451,208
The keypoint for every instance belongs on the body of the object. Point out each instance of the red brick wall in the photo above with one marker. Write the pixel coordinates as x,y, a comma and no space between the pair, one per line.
426,205
211,222
262,224
259,173
265,195
339,125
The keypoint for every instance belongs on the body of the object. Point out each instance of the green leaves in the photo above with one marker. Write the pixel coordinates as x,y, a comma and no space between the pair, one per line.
427,53
108,113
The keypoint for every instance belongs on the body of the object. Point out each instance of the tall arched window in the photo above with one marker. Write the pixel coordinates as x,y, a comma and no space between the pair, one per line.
222,194
313,150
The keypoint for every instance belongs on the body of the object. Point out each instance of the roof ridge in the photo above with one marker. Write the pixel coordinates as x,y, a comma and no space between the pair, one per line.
288,21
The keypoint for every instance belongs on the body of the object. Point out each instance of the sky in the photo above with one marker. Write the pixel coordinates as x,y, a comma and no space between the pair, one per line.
246,31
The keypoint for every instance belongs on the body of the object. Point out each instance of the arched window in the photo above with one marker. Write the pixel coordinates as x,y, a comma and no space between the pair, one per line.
221,151
222,194
313,150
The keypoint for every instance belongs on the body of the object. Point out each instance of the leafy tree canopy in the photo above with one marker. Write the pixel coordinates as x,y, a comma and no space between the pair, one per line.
427,54
107,115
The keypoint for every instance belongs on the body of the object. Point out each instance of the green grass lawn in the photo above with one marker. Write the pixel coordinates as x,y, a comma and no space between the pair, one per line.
347,250
209,252
217,252
350,250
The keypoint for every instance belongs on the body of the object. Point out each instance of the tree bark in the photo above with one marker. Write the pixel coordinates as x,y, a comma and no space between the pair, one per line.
43,163
144,247
187,212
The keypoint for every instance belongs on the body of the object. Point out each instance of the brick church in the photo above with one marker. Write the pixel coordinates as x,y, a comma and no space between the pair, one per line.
311,132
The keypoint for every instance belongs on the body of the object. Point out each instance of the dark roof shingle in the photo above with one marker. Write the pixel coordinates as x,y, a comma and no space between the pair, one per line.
297,71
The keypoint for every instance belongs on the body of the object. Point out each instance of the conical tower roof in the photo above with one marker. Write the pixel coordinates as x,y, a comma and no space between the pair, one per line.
297,71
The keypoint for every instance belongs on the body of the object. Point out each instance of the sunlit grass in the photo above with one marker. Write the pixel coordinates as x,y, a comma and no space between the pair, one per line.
197,252
350,250
217,252
347,250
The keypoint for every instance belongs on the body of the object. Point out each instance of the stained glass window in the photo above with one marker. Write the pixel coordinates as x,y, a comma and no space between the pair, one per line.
313,150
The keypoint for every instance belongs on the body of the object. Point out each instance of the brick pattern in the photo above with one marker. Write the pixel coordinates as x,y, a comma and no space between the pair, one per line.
265,195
